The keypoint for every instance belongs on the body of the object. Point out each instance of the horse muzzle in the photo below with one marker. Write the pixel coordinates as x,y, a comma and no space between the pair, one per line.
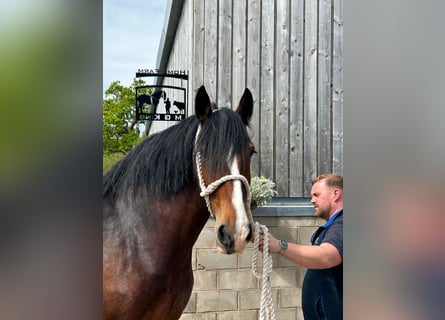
233,242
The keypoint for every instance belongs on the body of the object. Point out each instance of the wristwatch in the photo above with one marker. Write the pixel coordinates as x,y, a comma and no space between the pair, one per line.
283,246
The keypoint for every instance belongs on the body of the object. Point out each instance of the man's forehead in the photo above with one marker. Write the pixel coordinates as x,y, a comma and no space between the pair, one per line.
319,186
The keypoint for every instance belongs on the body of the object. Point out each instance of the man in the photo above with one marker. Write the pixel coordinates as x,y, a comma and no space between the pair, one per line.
322,296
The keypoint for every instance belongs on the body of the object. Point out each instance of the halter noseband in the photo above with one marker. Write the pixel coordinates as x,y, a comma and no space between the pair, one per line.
207,191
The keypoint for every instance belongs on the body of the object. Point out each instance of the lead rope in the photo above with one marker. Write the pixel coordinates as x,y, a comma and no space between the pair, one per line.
267,311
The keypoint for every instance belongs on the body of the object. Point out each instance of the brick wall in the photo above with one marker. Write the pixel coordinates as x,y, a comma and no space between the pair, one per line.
225,287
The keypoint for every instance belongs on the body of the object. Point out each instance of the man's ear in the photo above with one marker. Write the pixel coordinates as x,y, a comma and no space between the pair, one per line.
203,107
337,194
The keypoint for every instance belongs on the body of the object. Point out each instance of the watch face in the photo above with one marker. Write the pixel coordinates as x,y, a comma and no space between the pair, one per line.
283,244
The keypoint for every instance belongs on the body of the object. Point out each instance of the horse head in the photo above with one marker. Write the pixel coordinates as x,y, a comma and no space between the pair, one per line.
223,150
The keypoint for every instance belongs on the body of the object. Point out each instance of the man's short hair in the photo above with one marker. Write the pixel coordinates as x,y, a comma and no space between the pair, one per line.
331,180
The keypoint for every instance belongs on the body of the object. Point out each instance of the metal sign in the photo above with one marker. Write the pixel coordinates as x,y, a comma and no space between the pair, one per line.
166,102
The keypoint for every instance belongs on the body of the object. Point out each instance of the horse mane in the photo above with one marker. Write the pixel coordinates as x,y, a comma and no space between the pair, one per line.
163,163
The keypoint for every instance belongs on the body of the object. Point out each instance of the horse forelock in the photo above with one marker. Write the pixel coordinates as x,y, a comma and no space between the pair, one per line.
222,137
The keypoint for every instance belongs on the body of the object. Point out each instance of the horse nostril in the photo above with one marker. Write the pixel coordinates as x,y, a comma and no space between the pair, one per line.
223,237
249,236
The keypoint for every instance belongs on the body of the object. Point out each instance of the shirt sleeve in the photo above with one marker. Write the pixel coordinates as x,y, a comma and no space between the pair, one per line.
334,236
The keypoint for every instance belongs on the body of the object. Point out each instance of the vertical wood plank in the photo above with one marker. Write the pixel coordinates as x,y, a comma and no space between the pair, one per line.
180,53
198,48
253,74
324,87
190,23
267,145
310,94
337,80
224,86
211,42
296,99
239,50
282,97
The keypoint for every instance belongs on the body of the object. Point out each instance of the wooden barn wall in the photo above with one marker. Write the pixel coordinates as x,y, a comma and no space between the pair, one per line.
289,54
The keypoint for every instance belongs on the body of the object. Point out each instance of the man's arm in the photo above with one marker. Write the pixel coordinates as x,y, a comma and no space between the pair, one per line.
323,256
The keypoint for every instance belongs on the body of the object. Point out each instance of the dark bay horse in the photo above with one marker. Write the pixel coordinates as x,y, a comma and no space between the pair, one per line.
157,199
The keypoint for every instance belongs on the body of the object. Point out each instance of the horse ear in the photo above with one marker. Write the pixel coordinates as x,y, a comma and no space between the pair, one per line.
245,107
203,108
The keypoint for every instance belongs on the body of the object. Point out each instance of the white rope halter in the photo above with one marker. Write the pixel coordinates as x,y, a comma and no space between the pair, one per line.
206,191
267,311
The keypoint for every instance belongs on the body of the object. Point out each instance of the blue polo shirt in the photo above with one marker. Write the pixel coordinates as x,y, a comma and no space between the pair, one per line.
322,295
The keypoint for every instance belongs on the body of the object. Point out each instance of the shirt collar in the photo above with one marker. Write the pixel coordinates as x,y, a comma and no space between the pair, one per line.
331,219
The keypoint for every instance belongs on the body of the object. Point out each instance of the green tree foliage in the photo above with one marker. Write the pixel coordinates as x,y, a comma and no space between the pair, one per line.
120,130
109,160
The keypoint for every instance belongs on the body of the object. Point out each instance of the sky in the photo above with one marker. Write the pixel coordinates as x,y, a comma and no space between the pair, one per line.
131,34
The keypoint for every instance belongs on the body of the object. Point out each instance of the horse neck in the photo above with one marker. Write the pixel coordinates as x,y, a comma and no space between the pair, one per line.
193,215
175,221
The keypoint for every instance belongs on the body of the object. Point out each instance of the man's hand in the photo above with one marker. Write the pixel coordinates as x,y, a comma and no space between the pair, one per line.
274,244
